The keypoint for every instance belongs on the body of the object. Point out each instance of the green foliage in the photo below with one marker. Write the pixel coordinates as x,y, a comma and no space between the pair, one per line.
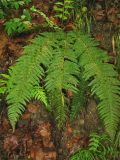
80,99
2,14
38,93
57,58
117,139
3,83
24,76
61,74
100,147
16,4
63,9
18,25
7,5
76,10
117,42
102,79
82,16
49,22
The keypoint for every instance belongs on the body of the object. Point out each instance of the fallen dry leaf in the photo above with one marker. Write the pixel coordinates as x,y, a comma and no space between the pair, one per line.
37,153
5,124
26,116
46,141
44,130
51,155
99,14
32,108
69,129
10,143
44,133
69,94
69,27
99,37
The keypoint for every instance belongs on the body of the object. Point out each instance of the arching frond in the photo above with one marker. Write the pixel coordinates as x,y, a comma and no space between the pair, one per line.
25,74
103,80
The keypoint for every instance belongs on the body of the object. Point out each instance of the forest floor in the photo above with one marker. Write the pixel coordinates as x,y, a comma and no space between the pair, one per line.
36,137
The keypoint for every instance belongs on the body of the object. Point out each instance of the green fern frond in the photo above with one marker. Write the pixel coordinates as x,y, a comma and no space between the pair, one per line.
3,83
95,142
25,74
83,154
61,75
103,80
63,9
79,99
117,139
59,107
38,93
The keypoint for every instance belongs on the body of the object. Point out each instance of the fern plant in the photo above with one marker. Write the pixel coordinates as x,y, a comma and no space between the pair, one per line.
16,25
63,9
100,147
57,58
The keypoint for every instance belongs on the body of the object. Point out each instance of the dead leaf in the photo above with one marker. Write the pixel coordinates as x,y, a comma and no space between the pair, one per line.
99,37
51,155
69,94
10,143
44,130
46,141
37,153
5,124
45,133
32,108
26,116
99,14
69,27
54,20
69,129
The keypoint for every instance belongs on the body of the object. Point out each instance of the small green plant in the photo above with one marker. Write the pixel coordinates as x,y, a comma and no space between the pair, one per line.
16,4
18,25
63,10
49,22
82,16
100,147
2,14
7,5
117,42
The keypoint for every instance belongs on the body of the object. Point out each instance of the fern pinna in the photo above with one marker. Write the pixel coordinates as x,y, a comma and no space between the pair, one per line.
58,58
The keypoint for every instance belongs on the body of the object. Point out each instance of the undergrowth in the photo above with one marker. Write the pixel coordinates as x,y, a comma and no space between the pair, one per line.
99,147
59,59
